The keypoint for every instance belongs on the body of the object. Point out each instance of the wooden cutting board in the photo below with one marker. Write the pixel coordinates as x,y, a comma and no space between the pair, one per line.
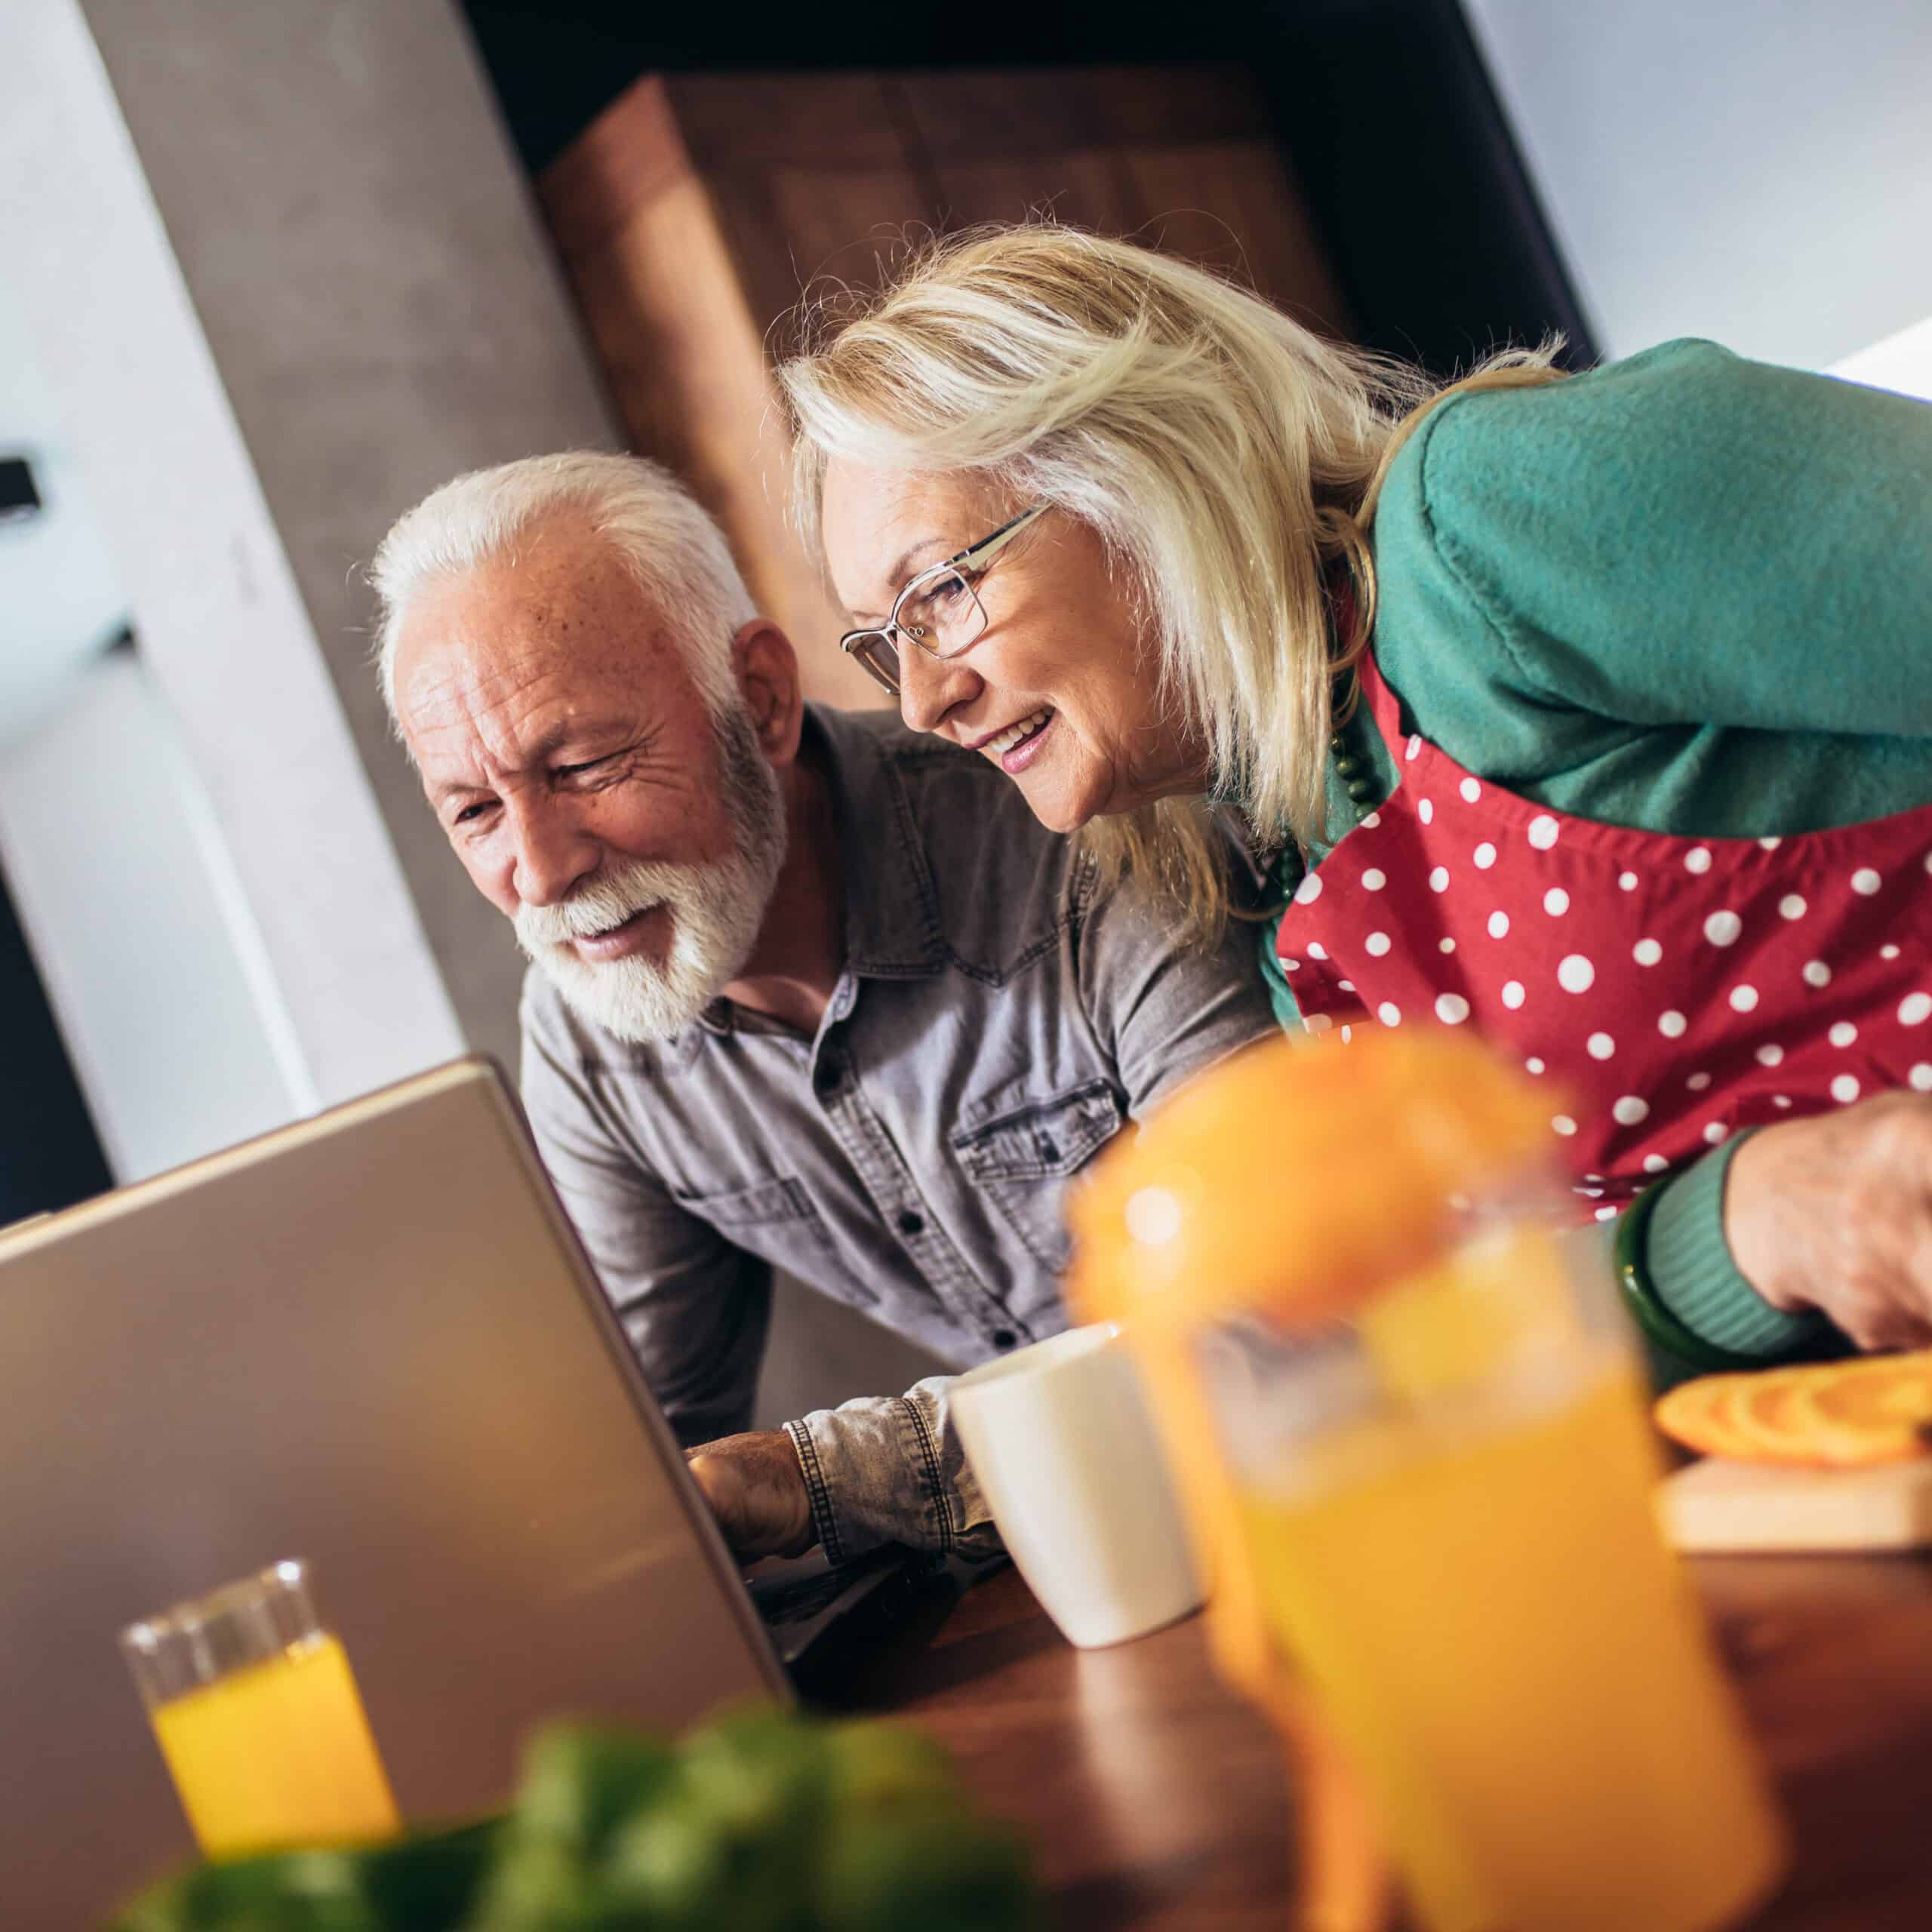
1715,1505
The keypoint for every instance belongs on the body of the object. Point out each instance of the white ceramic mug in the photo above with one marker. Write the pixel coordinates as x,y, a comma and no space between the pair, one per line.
1064,1446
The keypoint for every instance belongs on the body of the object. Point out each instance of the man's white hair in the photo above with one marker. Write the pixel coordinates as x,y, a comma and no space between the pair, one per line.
669,544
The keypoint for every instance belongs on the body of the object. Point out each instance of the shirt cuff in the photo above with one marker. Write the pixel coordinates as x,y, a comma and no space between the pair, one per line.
1691,1271
889,1469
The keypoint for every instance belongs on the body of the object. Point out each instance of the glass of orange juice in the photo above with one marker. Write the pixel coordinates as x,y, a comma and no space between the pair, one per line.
1428,1450
256,1712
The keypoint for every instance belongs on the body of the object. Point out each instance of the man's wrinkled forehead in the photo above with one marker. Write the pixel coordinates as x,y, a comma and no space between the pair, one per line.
561,592
495,664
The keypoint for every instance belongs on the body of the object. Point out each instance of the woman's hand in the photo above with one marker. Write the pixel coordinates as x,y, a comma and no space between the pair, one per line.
1835,1212
757,1491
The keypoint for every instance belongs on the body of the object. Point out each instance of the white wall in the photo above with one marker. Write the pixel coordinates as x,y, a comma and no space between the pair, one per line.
223,631
1903,362
159,983
60,596
1759,171
367,268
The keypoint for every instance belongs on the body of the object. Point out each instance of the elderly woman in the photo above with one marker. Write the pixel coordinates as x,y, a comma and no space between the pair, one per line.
1593,712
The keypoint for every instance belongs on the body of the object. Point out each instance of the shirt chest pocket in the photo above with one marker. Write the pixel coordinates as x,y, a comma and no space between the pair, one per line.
1022,1161
776,1219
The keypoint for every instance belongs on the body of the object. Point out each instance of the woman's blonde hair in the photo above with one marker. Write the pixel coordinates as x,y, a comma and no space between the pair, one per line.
1229,456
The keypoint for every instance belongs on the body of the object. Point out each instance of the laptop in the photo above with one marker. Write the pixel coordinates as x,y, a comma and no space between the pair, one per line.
372,1341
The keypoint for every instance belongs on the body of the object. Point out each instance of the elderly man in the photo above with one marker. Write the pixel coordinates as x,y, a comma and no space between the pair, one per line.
808,990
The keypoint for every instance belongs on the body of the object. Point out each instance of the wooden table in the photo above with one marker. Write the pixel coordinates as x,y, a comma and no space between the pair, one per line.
1157,1801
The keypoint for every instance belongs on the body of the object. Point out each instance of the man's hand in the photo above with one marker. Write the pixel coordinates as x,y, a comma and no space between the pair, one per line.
1835,1214
757,1491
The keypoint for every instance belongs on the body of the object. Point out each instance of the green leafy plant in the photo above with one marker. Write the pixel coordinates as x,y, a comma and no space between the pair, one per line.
765,1822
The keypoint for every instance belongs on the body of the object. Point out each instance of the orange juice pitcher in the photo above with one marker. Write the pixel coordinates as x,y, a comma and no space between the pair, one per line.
1412,1430
256,1711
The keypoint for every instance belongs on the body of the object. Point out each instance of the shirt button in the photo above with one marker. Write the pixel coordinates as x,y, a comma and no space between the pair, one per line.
1004,1338
910,1223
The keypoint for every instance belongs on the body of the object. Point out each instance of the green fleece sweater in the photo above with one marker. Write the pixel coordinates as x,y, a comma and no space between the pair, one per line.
1686,593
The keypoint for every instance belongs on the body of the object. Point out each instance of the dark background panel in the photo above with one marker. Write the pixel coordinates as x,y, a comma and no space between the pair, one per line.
1383,109
49,1156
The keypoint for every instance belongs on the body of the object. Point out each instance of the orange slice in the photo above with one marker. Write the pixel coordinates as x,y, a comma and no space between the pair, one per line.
1835,1415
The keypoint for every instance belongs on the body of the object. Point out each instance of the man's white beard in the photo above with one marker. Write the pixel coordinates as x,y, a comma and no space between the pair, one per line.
716,911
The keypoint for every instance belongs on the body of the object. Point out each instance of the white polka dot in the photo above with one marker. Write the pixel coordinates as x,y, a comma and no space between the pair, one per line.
1817,974
1291,965
1373,880
1543,831
1913,1009
1865,882
1309,890
1844,1032
1921,1078
1564,1124
1715,1132
1368,824
1316,950
1426,811
1780,1099
1770,1053
1438,880
1556,902
1599,1046
1470,790
1630,1110
1389,1013
1697,860
1377,944
1513,994
1743,998
1499,925
1485,856
1447,945
1575,974
1671,1023
1608,1213
1888,952
1348,1033
1792,905
1452,1009
1628,881
1771,845
1844,1089
1415,746
1928,861
1646,952
1722,928
1347,986
1655,1163
1697,1082
1534,1065
1318,1023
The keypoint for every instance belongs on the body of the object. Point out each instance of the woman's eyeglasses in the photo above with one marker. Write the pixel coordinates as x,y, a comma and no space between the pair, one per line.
939,610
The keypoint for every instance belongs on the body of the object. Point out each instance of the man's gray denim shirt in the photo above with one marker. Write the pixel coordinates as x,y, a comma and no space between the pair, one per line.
997,1021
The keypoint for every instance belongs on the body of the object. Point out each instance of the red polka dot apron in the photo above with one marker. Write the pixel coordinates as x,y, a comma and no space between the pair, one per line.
1672,989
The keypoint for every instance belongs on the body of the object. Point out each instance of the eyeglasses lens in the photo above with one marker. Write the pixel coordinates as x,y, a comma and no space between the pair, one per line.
943,614
880,657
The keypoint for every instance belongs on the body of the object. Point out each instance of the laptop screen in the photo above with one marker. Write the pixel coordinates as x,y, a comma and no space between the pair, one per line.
370,1341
